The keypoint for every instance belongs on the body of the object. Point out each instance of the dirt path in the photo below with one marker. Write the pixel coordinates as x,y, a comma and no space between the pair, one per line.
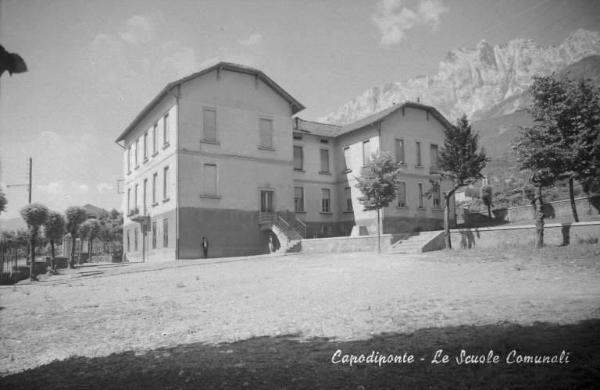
349,296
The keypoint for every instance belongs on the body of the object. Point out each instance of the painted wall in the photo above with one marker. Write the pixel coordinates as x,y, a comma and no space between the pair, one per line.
313,180
410,125
155,163
243,167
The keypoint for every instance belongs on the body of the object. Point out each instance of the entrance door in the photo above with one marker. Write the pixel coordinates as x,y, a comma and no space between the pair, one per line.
266,201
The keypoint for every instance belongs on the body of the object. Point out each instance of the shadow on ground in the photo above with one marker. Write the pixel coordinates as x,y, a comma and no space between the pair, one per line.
287,362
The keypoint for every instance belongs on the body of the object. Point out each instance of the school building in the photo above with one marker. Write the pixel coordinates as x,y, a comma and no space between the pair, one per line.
221,154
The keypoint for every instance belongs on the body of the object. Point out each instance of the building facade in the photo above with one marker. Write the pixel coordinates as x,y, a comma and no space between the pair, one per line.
219,154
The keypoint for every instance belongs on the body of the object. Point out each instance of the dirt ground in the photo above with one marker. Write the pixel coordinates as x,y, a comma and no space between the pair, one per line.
186,320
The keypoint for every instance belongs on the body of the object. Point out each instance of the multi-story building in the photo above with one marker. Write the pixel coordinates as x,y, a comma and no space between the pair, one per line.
219,154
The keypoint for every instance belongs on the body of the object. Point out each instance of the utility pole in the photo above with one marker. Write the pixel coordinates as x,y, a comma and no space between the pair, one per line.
28,185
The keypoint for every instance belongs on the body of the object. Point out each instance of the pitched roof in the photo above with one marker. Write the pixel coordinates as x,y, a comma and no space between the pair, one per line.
296,105
316,128
378,116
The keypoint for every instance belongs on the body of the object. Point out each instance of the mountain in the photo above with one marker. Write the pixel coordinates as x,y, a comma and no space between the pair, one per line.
587,68
496,134
482,82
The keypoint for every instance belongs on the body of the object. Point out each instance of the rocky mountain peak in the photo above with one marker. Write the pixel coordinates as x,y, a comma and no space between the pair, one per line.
482,82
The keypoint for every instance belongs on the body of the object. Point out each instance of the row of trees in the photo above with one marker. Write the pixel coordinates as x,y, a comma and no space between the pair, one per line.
563,143
54,225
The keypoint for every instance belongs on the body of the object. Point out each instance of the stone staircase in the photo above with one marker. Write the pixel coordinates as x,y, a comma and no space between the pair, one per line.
422,242
289,230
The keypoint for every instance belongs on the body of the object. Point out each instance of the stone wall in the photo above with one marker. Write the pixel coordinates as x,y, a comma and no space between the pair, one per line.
559,210
349,244
508,236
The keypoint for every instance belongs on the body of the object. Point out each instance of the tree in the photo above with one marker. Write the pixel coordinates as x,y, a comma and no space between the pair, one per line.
543,160
3,201
75,217
378,184
461,162
54,229
567,114
94,229
35,215
486,198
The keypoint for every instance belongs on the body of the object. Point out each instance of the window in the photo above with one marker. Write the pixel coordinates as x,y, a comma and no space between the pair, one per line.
266,201
210,179
324,161
401,194
366,150
347,158
145,146
135,239
165,233
153,234
144,194
348,196
135,196
129,159
166,130
166,184
155,139
420,195
326,200
266,133
299,199
135,153
128,201
434,157
128,241
437,196
400,151
298,158
210,124
154,184
419,162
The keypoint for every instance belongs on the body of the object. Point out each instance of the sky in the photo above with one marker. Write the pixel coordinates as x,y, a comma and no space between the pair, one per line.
93,65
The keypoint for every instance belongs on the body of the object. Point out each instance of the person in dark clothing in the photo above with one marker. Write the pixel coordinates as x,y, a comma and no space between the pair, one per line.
205,247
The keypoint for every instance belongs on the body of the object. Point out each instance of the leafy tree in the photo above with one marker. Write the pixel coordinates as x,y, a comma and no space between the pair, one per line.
84,232
378,184
54,229
35,215
461,162
94,231
3,201
567,116
75,217
486,198
544,162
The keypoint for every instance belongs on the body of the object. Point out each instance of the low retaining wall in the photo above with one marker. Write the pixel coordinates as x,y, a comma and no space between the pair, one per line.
349,244
560,210
506,236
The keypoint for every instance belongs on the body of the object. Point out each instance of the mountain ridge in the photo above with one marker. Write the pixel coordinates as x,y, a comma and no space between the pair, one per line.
482,82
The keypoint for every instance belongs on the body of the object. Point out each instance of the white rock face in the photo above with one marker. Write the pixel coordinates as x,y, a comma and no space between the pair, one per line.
481,82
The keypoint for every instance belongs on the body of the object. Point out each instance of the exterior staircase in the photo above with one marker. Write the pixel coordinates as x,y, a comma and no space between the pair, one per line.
422,242
289,230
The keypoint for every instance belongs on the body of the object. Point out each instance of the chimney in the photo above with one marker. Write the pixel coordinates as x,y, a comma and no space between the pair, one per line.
418,99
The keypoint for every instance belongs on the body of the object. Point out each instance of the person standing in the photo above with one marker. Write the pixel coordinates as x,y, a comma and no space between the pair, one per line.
205,247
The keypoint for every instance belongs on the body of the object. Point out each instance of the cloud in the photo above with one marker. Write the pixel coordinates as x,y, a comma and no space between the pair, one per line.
138,30
252,40
53,188
80,187
179,59
393,20
104,187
